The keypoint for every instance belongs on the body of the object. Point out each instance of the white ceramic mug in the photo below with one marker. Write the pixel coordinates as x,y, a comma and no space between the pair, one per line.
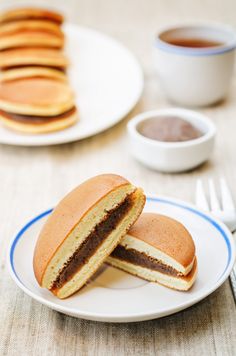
195,76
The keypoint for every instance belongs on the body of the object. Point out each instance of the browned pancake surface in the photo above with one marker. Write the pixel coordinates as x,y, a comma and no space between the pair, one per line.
29,38
33,25
33,91
33,56
165,234
31,13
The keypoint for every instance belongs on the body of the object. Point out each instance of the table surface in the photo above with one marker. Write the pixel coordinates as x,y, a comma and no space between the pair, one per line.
34,179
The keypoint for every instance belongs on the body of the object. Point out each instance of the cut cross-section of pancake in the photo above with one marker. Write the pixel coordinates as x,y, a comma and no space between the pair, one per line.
34,25
29,13
36,96
83,230
158,249
33,56
32,72
30,38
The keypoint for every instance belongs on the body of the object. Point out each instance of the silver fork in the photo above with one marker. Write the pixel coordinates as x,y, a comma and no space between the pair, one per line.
222,208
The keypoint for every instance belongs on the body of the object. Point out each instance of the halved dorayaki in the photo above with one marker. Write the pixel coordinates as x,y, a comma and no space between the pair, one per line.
158,249
83,230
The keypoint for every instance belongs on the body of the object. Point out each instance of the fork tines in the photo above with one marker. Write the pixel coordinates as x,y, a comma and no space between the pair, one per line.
225,202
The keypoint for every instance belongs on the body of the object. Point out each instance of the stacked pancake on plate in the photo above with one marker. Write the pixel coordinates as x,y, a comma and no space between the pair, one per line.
35,96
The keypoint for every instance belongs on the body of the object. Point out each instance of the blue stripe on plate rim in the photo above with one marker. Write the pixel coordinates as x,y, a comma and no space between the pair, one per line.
153,199
203,52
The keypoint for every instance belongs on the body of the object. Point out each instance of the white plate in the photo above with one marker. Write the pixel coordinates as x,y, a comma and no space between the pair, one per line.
107,81
115,296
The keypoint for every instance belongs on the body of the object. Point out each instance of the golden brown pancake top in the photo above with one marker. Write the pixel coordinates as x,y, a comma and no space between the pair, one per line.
30,13
43,25
28,38
33,55
165,234
34,91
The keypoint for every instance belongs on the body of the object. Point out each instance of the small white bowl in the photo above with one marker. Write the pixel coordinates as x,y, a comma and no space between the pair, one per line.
172,156
195,76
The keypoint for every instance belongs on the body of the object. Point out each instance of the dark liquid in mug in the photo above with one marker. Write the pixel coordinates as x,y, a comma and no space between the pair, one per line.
194,42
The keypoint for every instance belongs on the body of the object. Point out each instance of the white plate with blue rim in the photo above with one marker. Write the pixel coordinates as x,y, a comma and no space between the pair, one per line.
107,81
115,296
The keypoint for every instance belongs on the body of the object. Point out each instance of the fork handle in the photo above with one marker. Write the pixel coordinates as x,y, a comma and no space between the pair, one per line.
232,277
233,282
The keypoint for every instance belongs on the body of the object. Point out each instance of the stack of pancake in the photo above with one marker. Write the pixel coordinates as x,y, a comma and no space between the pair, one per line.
35,96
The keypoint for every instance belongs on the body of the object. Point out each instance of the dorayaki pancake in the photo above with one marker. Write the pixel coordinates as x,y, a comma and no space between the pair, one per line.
29,13
33,56
30,38
36,96
34,25
82,231
39,124
32,72
158,249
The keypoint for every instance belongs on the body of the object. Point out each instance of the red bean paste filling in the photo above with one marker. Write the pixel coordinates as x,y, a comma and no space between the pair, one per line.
141,259
25,30
87,249
44,16
61,69
28,119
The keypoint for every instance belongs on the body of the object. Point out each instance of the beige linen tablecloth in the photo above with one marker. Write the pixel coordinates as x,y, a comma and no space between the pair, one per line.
33,179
